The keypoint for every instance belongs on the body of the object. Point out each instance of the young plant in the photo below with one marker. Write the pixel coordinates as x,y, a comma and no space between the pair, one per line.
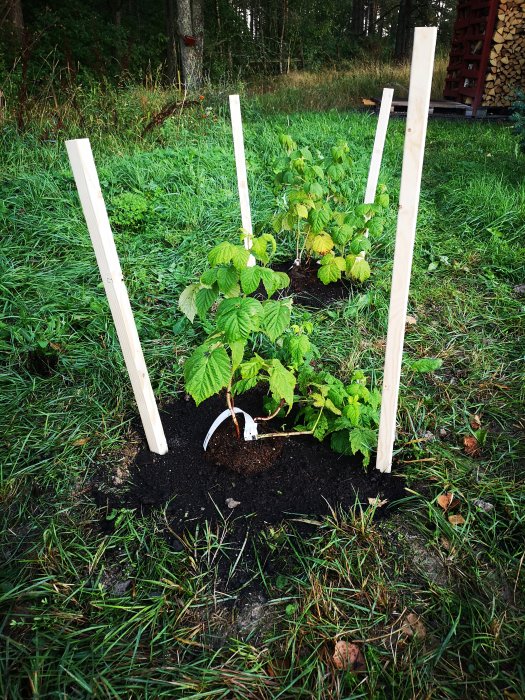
317,211
251,342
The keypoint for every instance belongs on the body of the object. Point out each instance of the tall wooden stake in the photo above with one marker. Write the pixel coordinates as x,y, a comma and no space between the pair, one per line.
242,178
413,153
379,144
86,178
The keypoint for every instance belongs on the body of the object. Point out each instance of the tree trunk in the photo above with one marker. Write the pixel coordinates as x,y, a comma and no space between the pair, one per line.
11,10
402,46
171,50
191,41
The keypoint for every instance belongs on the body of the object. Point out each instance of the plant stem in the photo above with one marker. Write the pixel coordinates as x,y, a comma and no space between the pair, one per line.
272,415
292,433
229,401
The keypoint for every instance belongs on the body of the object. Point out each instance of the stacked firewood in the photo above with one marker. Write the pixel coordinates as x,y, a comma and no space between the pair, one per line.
506,69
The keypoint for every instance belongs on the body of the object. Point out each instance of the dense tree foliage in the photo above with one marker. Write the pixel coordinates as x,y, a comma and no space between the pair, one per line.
189,39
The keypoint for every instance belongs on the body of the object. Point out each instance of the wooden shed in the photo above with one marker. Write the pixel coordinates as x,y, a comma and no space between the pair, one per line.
487,58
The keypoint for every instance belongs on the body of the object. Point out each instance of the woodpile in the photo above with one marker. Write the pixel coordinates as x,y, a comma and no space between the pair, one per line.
506,68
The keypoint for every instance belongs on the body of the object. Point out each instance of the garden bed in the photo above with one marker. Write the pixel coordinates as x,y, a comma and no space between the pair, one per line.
306,287
306,477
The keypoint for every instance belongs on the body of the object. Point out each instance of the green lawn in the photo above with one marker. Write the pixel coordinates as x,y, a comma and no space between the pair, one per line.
94,613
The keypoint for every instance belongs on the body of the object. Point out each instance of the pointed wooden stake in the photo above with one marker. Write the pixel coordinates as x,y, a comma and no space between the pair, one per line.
379,144
413,153
242,178
86,178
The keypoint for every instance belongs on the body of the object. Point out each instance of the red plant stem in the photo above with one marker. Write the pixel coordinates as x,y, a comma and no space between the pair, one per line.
229,401
272,415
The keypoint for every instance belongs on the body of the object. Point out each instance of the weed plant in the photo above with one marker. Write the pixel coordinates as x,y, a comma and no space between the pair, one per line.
122,610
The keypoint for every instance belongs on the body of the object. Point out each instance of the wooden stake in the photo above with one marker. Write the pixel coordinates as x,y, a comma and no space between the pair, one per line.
86,178
242,179
413,153
379,144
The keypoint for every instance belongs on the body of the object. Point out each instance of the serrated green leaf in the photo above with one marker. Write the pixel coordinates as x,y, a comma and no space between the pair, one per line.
209,277
276,318
330,269
237,352
238,317
250,279
298,347
363,440
302,211
358,390
352,411
206,372
335,172
360,269
204,299
187,301
383,200
227,278
319,218
375,226
244,385
260,246
340,442
240,257
315,189
342,234
321,427
426,364
329,404
221,254
282,382
273,281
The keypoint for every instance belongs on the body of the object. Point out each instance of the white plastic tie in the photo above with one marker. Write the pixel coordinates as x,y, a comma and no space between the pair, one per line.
250,426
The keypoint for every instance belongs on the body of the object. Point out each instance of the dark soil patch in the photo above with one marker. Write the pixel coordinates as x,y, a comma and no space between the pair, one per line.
225,450
308,289
42,362
306,477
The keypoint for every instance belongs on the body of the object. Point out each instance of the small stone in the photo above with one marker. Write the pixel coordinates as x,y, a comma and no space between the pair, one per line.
483,505
443,433
232,503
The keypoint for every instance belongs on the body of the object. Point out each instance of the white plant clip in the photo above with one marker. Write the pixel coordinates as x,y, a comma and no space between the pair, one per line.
250,426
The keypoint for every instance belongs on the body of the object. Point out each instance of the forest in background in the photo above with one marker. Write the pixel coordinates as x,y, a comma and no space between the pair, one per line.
186,42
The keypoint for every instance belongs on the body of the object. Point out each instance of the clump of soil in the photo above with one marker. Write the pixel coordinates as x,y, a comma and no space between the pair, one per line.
226,450
308,289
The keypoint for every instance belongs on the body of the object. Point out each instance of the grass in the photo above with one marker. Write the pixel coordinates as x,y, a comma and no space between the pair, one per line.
120,609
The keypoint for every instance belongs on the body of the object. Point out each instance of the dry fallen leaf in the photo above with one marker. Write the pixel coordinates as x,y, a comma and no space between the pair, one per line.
413,626
471,446
411,320
447,501
232,503
456,519
377,502
80,442
484,505
475,422
348,657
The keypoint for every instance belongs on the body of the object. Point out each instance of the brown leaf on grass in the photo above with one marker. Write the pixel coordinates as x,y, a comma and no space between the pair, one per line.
447,501
377,502
471,446
348,657
456,519
475,422
411,320
80,442
413,627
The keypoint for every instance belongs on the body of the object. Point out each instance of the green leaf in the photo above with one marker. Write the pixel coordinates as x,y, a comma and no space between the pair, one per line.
426,364
315,189
329,404
240,257
383,200
340,442
276,318
237,351
206,372
359,269
221,254
250,279
375,226
352,411
363,440
260,246
321,428
302,211
336,172
298,347
330,269
209,277
244,385
238,317
342,234
273,281
360,244
227,278
282,382
319,218
204,299
187,301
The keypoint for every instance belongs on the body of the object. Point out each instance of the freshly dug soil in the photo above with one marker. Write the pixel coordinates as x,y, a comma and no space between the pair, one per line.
306,477
308,289
226,450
